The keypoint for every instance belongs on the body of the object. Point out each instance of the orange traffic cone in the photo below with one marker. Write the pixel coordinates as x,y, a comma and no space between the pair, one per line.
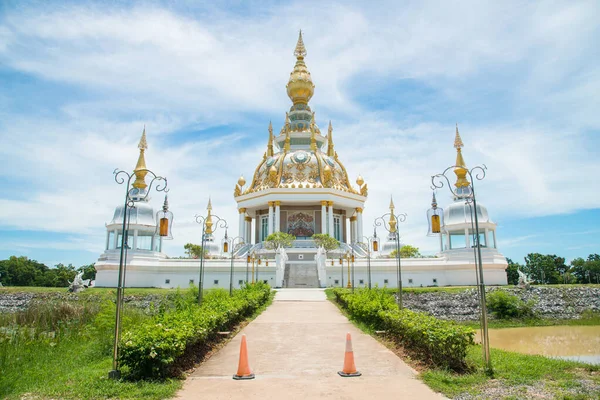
349,367
243,371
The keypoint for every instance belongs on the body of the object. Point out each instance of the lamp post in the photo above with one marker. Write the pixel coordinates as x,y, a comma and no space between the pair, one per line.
371,242
254,259
342,269
230,242
207,231
134,192
391,226
465,190
349,257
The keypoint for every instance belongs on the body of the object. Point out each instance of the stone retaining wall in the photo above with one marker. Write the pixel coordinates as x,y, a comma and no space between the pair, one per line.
549,302
13,302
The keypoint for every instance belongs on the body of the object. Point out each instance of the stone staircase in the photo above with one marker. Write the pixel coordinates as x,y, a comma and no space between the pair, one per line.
301,276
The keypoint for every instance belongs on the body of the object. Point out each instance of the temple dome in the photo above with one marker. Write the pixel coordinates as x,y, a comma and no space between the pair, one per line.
300,168
141,214
460,213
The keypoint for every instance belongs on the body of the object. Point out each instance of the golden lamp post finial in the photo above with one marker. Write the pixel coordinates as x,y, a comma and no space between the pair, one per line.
140,170
392,220
209,223
461,167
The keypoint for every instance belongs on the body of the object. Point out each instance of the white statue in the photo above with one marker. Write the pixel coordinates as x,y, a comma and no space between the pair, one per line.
78,283
524,281
321,259
281,258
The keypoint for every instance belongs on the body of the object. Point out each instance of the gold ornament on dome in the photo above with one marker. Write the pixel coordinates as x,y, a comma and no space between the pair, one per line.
360,180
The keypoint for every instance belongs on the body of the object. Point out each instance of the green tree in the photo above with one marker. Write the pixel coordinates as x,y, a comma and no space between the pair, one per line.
21,271
406,251
60,275
578,270
194,250
279,239
592,268
545,268
325,241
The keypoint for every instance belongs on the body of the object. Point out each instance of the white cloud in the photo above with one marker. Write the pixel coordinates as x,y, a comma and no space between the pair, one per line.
173,71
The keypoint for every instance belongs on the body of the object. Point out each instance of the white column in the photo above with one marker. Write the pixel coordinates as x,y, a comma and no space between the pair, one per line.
133,245
270,230
248,228
494,234
359,225
467,238
330,203
323,217
277,216
487,237
242,222
448,241
353,229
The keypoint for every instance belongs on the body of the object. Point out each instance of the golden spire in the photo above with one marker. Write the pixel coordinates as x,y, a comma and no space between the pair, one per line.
300,51
392,221
330,151
460,170
208,222
300,87
140,170
270,145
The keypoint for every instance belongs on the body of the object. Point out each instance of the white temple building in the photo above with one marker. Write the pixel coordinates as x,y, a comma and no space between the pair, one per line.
301,187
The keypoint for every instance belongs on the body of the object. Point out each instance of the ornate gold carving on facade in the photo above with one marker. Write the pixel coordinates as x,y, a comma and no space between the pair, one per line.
313,175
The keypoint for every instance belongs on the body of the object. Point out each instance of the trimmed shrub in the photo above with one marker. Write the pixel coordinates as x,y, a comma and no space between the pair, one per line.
149,350
441,343
505,305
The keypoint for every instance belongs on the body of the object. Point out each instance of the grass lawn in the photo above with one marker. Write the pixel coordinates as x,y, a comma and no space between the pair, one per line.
71,361
63,351
518,376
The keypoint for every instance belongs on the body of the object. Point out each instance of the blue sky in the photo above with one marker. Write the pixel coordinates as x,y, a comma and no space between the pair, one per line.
79,80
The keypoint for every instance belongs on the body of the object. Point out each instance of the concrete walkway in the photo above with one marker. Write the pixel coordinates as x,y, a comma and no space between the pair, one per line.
295,349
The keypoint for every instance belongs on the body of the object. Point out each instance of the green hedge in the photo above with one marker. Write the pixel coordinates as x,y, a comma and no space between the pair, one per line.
441,343
149,350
